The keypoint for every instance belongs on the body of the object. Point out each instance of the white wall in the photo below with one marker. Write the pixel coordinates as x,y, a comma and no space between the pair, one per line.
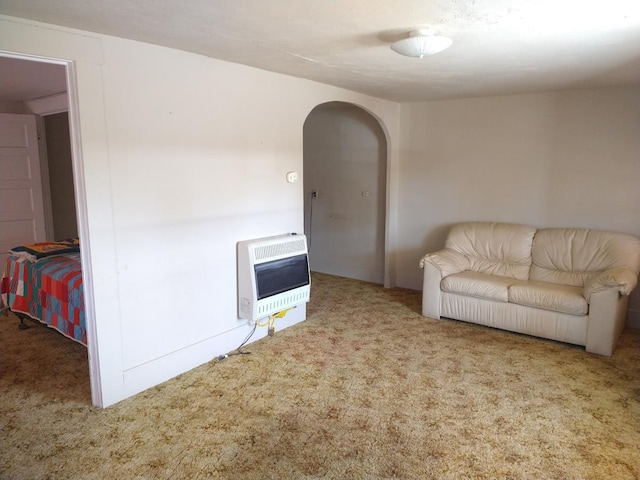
7,106
183,156
568,158
345,157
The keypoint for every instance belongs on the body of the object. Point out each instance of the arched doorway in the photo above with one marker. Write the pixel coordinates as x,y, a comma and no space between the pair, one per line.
345,171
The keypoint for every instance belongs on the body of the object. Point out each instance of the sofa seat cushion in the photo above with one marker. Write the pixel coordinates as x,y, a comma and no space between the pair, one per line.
482,285
550,296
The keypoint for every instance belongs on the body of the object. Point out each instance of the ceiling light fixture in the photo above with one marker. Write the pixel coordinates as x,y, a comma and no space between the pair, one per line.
421,43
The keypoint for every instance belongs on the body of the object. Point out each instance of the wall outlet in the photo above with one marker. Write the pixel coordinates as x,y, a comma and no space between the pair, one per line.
292,177
314,194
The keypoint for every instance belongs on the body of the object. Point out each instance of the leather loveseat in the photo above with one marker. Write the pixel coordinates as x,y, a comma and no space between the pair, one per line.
566,284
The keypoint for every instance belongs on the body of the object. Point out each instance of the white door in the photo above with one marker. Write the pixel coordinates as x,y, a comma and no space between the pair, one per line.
21,202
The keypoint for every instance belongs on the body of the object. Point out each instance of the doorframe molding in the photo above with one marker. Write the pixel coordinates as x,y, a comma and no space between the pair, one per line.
50,105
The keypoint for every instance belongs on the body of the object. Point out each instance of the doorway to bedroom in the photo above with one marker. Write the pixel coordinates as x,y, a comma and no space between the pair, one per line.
345,173
35,105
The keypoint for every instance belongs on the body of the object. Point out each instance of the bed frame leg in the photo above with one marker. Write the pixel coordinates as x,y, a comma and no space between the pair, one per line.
22,325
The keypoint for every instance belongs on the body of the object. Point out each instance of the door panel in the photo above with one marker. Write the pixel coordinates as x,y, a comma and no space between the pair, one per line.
21,203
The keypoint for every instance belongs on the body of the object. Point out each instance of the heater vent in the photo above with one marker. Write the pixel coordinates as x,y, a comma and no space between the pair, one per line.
280,249
282,302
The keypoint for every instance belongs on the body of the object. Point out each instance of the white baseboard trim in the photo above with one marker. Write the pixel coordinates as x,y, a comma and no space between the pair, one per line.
142,377
633,319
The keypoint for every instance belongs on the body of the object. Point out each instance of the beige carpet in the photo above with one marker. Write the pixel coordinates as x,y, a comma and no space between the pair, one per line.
365,388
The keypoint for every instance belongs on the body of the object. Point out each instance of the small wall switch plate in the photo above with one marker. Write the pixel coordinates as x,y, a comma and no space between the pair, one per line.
292,177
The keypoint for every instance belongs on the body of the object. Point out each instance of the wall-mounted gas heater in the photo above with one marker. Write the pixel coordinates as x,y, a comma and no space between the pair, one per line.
273,275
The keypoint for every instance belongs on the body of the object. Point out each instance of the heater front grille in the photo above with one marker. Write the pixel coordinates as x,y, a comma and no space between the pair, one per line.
279,249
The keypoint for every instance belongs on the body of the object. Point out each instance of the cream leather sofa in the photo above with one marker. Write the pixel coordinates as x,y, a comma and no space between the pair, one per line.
564,284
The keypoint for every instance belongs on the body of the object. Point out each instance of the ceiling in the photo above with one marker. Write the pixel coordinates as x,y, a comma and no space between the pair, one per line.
499,46
22,80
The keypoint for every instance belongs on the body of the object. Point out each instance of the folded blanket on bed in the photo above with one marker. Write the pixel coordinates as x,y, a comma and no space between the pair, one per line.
35,251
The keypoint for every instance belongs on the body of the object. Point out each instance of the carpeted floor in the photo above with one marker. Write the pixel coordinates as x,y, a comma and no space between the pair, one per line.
364,388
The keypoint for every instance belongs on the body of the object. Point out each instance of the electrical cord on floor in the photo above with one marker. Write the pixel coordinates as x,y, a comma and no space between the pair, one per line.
270,323
238,351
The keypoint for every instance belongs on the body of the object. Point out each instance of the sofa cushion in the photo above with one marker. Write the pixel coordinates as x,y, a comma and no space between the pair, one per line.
572,256
494,248
550,296
480,285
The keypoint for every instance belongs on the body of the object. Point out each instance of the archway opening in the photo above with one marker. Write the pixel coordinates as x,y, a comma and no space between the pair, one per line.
345,172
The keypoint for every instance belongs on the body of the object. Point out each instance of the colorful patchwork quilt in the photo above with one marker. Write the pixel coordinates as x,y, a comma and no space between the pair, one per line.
48,290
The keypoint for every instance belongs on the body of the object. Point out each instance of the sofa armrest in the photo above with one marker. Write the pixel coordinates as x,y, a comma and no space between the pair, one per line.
607,316
438,265
446,261
622,279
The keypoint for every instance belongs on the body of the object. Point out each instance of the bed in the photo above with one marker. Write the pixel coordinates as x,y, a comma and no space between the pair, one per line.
44,282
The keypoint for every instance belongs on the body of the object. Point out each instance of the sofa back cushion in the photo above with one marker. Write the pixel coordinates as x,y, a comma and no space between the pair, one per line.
571,256
495,248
